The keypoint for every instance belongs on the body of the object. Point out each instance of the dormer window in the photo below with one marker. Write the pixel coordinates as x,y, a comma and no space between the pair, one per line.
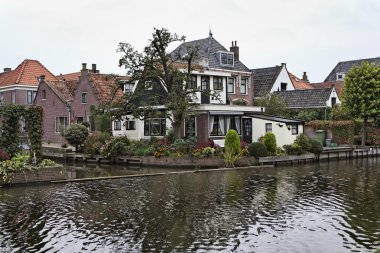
148,85
128,87
226,58
340,76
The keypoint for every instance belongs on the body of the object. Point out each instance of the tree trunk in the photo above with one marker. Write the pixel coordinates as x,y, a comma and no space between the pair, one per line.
364,134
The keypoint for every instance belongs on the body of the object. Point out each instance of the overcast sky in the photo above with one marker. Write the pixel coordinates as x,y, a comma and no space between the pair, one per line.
308,35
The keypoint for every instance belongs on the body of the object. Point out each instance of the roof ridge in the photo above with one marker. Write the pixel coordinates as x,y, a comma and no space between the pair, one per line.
22,70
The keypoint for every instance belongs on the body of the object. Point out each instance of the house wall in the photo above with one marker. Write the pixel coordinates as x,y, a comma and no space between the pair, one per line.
53,107
283,135
283,77
138,133
236,95
21,94
78,108
333,95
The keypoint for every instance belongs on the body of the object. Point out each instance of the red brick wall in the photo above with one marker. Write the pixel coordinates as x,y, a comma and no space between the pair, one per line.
248,97
53,106
79,109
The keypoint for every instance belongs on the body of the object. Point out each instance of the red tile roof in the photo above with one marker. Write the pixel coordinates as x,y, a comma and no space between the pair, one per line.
69,77
337,84
106,87
64,89
26,74
299,84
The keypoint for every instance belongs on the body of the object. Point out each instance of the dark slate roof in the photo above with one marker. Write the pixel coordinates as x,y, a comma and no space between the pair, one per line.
208,58
345,66
312,98
263,79
274,118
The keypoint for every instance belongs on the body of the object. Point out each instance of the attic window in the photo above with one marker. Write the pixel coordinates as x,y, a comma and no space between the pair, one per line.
84,98
340,76
148,85
226,58
128,87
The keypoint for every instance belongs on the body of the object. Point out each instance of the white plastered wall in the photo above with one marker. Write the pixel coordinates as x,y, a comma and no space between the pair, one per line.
283,77
283,135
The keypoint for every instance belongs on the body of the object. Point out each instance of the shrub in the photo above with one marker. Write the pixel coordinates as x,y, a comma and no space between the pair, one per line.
184,145
115,147
315,147
76,135
270,142
4,155
293,149
231,158
232,142
95,141
303,142
203,152
257,149
373,136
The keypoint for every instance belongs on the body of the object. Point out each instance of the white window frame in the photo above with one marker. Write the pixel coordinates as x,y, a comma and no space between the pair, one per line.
229,56
66,123
32,95
233,85
13,97
267,128
340,74
117,125
246,86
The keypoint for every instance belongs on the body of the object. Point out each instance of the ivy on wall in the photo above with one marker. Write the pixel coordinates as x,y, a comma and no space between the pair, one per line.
34,119
10,128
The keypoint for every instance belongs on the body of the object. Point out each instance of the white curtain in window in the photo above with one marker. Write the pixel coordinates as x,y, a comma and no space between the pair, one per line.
221,125
228,123
210,124
237,123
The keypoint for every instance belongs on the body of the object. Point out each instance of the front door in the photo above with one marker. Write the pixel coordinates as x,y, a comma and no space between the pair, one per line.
205,88
247,130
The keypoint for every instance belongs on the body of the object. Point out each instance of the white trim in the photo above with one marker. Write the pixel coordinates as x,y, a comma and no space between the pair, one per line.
18,87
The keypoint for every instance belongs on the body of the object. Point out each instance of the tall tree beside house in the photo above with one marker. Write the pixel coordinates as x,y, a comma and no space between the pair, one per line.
172,71
274,105
361,93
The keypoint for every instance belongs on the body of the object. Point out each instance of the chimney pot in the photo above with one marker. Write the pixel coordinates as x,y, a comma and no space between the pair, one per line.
235,49
41,78
93,68
84,66
305,77
7,69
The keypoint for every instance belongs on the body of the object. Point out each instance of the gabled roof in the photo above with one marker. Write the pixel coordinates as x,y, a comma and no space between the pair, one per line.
69,77
65,90
311,98
264,79
207,54
337,84
106,86
299,84
26,73
345,66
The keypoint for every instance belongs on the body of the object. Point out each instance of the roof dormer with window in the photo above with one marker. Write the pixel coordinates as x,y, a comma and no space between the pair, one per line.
226,58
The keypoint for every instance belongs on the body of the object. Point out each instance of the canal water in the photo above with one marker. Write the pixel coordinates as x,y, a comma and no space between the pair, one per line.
331,207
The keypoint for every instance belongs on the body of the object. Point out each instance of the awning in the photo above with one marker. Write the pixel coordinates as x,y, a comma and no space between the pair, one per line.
226,113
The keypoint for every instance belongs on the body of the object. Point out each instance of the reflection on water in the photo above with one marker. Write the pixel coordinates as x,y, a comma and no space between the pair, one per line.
331,207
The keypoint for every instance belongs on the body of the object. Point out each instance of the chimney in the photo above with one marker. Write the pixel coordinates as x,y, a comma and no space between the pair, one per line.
235,49
41,78
305,78
7,69
93,70
84,66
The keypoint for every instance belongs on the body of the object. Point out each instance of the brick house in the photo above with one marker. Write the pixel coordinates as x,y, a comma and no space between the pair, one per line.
68,100
55,97
19,86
